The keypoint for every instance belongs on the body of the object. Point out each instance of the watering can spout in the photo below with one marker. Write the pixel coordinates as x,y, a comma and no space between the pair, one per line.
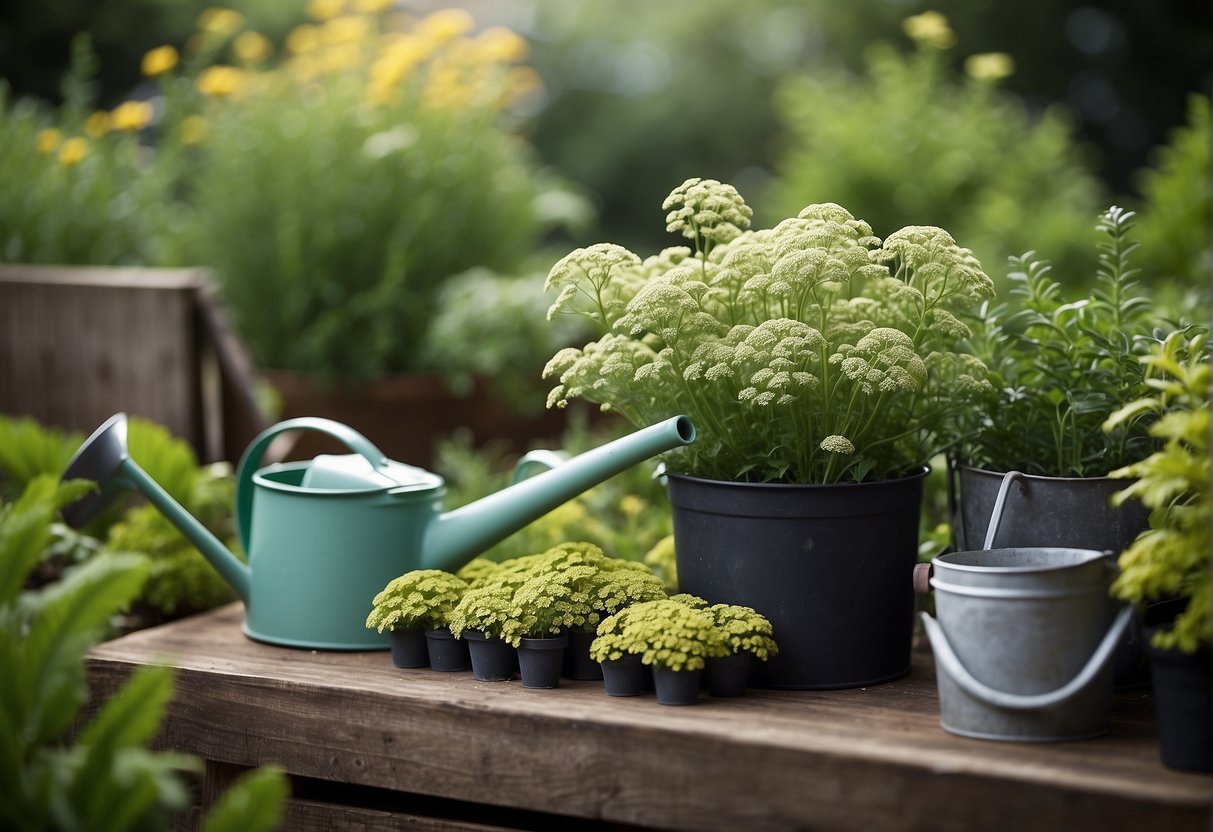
105,460
457,536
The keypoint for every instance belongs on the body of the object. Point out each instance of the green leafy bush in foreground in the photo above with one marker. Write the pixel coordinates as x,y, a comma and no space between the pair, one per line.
103,777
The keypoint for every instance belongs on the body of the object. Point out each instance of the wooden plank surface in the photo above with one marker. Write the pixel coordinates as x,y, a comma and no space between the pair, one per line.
861,759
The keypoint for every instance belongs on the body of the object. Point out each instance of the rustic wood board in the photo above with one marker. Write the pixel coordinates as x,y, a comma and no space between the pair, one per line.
872,758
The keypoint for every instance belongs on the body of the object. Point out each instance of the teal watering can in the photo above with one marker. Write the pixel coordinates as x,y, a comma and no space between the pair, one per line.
322,537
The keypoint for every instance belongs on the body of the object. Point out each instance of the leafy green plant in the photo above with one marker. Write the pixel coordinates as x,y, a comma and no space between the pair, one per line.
1060,367
1171,558
969,157
105,777
1176,210
615,589
421,598
745,630
29,450
664,633
343,187
79,188
810,352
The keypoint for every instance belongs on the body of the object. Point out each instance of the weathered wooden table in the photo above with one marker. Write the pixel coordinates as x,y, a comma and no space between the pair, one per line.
372,747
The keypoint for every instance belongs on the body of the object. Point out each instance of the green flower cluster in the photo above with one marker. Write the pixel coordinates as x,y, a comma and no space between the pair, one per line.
682,632
570,586
808,352
421,598
745,630
665,633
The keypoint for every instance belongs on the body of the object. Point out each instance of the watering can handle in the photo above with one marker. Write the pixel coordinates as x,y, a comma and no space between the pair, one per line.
531,459
252,458
945,656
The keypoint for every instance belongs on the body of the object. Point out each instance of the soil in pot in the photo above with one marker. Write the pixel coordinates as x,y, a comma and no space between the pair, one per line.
409,648
540,661
624,676
493,660
676,687
447,653
1182,693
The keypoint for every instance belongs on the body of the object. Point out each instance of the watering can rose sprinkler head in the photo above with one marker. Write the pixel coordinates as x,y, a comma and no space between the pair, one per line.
324,536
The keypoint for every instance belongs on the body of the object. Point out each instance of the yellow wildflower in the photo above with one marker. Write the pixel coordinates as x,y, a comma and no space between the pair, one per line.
501,45
303,39
345,29
325,9
73,151
220,80
989,66
194,130
341,57
49,140
445,24
130,116
930,28
159,61
631,505
97,124
220,21
251,47
372,6
523,81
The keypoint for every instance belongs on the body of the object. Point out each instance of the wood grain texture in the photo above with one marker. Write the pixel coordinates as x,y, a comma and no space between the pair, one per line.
860,759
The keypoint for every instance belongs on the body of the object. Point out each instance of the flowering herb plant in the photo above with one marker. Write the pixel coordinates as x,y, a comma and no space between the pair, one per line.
745,630
421,598
808,352
663,633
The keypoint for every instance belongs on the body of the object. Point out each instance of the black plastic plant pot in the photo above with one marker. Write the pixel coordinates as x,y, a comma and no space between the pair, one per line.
577,662
831,567
540,661
729,675
676,687
409,648
1182,693
623,676
447,653
493,660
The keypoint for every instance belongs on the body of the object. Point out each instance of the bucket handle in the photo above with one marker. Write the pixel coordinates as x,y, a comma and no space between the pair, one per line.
252,457
1000,503
945,656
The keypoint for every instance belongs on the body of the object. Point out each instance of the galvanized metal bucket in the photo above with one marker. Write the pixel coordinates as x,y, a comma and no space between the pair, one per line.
1023,640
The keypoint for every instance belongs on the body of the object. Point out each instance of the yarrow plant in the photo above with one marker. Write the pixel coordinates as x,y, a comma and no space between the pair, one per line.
421,598
808,352
745,630
663,633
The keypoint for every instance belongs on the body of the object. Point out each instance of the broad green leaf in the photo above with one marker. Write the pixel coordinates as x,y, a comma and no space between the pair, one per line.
253,803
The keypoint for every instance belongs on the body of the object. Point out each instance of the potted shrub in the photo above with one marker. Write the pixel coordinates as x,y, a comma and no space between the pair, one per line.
480,618
542,608
1169,562
410,605
673,638
822,368
615,586
749,636
1059,367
